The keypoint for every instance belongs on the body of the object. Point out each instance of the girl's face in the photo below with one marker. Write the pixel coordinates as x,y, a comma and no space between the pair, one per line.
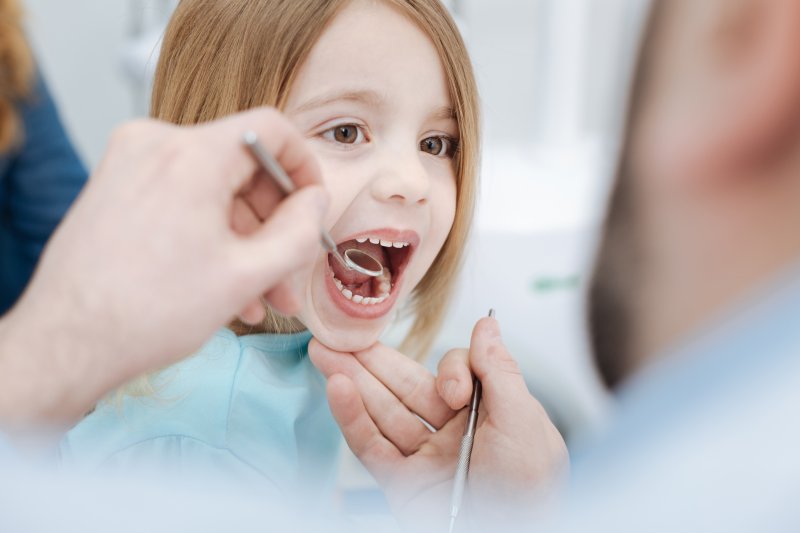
372,98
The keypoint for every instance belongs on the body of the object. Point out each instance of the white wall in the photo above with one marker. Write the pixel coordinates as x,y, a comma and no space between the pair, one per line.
80,45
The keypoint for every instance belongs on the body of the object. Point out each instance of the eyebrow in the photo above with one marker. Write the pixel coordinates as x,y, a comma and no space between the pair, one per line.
365,97
444,113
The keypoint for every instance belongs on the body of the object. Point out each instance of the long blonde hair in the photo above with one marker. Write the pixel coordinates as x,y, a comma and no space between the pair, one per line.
16,72
220,57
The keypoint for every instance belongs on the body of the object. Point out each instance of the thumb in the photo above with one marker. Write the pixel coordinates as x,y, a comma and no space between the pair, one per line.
503,385
454,379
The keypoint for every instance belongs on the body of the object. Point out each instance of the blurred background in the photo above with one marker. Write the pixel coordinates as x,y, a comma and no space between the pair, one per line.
553,75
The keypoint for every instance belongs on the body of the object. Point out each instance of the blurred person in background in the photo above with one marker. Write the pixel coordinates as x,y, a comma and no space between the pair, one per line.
692,309
40,173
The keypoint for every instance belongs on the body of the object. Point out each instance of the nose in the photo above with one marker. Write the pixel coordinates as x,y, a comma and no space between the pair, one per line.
402,178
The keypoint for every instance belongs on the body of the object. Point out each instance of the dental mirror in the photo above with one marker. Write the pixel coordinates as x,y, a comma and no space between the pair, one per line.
354,259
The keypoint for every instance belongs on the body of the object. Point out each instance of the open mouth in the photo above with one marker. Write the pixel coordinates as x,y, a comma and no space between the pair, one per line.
372,294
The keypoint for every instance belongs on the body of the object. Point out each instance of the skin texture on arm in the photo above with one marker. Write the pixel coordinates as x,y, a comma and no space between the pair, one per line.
518,459
174,235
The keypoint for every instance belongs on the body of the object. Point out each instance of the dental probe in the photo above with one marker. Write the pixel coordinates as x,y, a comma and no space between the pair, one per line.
460,481
354,259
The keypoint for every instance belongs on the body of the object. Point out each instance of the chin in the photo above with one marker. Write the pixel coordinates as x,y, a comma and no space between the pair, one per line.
337,332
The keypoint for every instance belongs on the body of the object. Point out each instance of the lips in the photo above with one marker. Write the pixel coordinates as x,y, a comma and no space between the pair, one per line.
363,296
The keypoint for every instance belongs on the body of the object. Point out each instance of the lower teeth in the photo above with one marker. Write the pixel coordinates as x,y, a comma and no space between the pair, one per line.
385,287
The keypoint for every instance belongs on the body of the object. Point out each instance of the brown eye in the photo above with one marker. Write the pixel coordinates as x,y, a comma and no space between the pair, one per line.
432,145
439,146
347,134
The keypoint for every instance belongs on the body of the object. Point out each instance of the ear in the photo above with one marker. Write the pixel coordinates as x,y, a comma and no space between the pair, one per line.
757,100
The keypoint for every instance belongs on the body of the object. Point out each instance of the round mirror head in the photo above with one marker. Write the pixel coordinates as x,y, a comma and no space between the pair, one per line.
363,262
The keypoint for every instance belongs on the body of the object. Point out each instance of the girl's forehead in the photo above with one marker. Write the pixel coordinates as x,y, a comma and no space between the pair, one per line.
372,52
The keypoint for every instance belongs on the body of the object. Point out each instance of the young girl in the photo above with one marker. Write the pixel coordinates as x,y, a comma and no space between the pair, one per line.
384,92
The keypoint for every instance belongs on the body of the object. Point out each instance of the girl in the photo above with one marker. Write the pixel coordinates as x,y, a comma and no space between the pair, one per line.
384,91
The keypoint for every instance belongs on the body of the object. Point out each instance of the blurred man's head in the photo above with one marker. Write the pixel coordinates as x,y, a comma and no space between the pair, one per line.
707,200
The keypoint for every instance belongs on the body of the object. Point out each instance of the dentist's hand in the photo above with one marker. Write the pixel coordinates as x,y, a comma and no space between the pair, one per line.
376,395
174,235
519,459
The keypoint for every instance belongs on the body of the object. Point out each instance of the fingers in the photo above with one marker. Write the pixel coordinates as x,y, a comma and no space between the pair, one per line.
286,242
284,299
261,195
394,420
275,132
243,217
408,380
499,373
454,379
253,314
362,435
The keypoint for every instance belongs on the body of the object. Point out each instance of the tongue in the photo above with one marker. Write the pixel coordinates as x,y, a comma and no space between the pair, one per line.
351,278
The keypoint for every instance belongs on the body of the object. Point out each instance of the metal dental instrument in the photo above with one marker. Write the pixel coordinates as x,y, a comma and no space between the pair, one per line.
460,481
353,259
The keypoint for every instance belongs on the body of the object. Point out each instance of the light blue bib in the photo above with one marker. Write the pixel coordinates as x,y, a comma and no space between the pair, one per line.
249,408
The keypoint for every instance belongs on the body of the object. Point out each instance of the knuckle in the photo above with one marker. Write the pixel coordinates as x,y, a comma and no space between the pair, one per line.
136,130
455,354
499,357
267,116
273,115
454,360
410,386
122,136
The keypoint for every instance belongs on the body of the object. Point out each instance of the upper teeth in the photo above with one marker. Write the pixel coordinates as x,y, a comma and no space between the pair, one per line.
382,242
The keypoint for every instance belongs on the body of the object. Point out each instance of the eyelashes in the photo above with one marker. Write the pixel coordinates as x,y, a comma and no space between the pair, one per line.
345,134
351,134
439,146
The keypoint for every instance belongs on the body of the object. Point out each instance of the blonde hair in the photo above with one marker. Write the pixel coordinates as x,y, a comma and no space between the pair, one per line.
220,57
16,72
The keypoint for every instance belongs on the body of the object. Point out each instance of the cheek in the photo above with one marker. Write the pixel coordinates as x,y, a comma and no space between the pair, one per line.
672,153
443,209
342,185
655,159
442,203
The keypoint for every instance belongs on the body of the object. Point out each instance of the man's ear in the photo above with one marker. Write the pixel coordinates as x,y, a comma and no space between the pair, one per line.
758,99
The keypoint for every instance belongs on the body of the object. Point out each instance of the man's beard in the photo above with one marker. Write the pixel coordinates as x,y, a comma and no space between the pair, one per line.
614,285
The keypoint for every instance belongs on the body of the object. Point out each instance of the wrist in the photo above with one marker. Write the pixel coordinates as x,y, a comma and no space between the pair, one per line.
48,379
514,507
